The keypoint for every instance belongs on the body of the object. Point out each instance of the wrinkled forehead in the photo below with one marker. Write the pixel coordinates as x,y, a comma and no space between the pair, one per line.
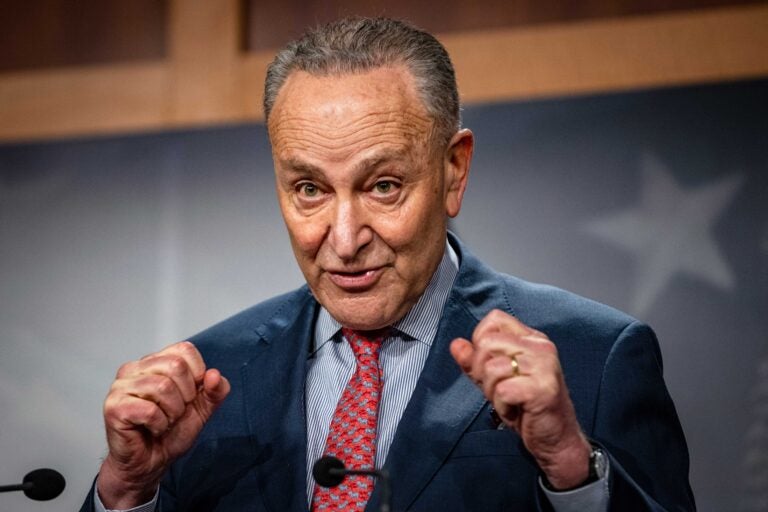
338,103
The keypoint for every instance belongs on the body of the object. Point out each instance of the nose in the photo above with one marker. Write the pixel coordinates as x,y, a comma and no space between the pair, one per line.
350,231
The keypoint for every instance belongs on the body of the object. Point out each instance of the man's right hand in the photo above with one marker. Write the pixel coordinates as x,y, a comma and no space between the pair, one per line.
153,413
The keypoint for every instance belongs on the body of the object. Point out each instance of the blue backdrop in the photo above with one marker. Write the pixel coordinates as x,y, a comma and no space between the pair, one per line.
654,202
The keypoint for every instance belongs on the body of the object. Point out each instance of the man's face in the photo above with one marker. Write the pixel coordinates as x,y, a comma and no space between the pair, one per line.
364,194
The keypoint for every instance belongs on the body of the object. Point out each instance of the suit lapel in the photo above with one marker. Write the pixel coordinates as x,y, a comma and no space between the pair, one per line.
445,401
273,389
443,405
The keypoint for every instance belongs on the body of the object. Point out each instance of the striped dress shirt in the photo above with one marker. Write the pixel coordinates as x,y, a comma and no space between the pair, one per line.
402,358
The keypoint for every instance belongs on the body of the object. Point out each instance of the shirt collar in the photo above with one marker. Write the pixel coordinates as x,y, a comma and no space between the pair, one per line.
420,323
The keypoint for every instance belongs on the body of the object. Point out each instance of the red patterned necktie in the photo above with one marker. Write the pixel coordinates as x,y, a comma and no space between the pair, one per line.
352,434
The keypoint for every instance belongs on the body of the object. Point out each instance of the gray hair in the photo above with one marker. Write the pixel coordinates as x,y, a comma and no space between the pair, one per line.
354,45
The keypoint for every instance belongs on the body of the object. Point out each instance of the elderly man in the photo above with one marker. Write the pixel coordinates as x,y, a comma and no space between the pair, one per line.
476,391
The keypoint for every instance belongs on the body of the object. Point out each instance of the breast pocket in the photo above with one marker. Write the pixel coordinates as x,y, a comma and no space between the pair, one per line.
488,443
486,470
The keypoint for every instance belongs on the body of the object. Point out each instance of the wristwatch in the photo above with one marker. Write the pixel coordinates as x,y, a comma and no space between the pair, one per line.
598,468
598,465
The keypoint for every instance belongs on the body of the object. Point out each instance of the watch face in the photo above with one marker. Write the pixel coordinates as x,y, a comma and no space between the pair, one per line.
599,462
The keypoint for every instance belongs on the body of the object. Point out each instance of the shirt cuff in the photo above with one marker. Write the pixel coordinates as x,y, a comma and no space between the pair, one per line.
98,506
592,497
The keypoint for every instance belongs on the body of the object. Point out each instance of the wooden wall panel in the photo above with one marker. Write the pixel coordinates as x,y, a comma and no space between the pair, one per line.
611,55
85,101
207,79
55,33
270,24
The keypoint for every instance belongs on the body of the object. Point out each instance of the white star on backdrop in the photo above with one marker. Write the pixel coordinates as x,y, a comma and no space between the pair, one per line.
670,231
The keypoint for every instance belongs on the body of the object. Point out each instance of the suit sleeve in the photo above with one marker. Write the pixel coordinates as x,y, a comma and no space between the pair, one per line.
636,422
93,503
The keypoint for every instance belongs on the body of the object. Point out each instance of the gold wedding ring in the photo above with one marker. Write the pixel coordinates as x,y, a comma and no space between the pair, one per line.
515,365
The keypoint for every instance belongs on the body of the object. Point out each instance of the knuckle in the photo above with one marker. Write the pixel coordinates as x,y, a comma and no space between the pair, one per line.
148,411
125,369
498,314
129,413
165,386
177,366
187,347
111,405
115,387
549,347
156,414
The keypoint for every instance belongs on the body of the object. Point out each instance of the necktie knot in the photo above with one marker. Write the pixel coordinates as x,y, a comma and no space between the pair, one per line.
365,346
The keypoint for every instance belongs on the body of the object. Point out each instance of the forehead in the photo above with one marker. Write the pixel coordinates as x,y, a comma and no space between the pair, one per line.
342,109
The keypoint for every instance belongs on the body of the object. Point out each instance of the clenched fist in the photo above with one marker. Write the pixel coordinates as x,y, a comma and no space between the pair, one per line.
519,372
153,413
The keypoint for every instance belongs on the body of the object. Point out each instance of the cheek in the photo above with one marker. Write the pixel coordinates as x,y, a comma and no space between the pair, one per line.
424,215
412,230
306,233
306,237
399,230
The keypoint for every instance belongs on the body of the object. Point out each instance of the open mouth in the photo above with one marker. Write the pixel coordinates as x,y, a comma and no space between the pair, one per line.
355,281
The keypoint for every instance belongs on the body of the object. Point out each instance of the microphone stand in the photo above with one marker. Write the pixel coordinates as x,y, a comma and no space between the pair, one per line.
17,487
329,471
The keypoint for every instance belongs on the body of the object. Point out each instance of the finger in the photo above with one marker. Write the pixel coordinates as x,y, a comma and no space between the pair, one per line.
499,321
129,412
187,351
215,389
472,358
490,346
159,389
462,352
172,365
500,368
504,344
510,414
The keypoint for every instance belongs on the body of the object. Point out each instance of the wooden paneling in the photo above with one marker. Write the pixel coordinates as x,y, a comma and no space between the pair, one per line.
206,78
87,100
54,33
270,24
611,55
205,60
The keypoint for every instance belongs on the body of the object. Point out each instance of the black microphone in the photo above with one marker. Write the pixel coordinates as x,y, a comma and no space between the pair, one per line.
40,484
330,472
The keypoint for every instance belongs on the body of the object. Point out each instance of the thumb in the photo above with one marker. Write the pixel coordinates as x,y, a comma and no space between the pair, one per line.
216,387
463,352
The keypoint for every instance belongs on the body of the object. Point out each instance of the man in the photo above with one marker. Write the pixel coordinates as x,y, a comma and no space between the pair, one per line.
478,391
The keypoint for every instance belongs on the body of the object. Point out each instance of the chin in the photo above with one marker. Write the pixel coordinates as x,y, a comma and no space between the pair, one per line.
360,313
359,321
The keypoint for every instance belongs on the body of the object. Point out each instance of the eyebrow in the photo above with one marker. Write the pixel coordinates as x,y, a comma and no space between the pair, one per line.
385,156
298,166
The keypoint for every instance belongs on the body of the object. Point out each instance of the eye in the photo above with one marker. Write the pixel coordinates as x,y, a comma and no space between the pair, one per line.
384,187
308,189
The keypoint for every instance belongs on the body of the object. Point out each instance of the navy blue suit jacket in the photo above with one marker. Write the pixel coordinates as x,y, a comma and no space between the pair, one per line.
447,454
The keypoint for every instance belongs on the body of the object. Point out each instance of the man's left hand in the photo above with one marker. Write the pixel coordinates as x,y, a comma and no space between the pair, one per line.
519,372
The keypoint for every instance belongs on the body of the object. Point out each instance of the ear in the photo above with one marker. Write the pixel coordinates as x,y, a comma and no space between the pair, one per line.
458,156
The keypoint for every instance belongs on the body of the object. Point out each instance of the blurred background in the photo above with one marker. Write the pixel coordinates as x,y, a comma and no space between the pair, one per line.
622,153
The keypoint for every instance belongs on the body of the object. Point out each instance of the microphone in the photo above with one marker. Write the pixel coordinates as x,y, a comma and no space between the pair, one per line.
330,472
40,484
